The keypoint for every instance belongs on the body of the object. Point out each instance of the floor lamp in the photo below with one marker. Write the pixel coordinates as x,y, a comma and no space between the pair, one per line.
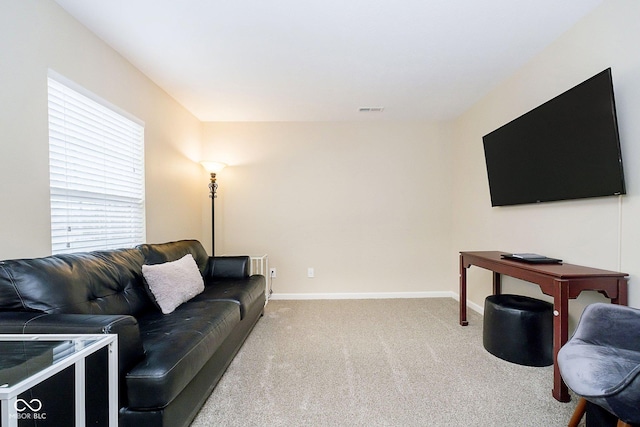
213,168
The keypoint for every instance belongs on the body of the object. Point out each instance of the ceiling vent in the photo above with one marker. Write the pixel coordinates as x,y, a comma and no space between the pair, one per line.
371,109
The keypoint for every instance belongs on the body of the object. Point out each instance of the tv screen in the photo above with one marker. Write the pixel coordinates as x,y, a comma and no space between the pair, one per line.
567,148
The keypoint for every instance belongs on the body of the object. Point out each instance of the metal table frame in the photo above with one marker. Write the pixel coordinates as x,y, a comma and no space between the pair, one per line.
9,394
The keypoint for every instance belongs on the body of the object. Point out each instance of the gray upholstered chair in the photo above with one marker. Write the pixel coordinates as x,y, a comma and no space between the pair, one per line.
601,362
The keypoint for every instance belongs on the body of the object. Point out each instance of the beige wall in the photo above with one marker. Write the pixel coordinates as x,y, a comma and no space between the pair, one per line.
36,35
315,195
367,205
600,232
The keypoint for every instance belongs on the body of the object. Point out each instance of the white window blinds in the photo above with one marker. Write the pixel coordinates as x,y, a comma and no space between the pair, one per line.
96,167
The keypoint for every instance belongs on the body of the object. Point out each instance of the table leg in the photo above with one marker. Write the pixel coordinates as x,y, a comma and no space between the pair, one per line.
560,336
80,392
113,383
623,294
9,412
463,293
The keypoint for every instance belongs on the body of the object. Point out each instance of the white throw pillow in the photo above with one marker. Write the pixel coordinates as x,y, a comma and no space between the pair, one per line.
173,283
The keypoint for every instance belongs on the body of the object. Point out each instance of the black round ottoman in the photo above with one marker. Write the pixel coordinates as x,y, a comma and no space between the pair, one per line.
518,329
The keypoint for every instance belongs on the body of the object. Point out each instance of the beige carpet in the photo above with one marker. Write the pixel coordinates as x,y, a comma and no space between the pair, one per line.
395,362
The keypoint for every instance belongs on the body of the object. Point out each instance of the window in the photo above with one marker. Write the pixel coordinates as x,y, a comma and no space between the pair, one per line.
96,172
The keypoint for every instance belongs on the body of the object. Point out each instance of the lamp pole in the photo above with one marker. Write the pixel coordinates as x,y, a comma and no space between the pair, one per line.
213,188
213,168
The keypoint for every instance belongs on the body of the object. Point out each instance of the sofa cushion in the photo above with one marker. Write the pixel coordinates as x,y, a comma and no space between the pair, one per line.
177,346
173,283
157,253
101,282
244,292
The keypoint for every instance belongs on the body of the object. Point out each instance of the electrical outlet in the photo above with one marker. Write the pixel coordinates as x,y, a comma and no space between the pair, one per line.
310,272
272,272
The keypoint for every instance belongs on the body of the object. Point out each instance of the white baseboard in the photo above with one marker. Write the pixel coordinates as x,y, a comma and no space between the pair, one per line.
470,304
374,295
363,295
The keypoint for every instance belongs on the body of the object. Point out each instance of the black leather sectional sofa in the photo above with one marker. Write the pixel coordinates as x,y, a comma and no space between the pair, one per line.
168,363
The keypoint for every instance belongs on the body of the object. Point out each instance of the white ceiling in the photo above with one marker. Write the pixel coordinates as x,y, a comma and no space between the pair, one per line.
321,60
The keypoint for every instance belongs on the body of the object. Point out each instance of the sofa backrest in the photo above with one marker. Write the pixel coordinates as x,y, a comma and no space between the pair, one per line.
101,282
158,253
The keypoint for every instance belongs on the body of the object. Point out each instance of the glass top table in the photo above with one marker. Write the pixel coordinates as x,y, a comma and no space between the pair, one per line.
28,359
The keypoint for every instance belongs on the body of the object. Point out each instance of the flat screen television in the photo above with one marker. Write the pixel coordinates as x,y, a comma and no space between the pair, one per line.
567,148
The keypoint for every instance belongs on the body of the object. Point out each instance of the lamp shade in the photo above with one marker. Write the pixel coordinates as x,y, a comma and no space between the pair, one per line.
213,167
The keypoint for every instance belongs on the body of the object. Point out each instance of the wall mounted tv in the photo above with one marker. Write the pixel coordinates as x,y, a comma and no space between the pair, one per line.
567,148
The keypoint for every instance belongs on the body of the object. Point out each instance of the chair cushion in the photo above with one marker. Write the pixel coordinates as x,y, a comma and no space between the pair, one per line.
177,345
597,371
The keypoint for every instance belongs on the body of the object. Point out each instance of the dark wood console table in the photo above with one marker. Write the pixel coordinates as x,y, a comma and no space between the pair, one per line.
560,281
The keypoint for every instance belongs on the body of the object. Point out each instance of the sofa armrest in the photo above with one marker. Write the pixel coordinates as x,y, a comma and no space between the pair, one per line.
228,267
130,350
